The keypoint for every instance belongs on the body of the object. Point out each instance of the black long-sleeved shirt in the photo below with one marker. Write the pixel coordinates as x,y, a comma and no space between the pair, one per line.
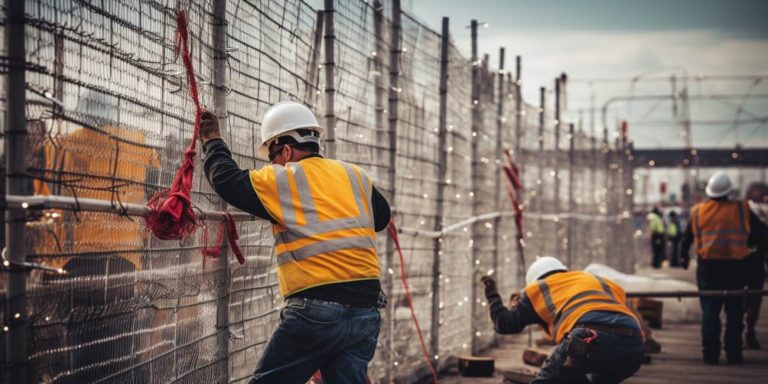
234,186
758,237
514,320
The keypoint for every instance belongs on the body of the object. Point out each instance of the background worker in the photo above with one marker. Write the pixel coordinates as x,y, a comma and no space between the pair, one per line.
325,214
723,231
673,237
596,332
656,231
754,266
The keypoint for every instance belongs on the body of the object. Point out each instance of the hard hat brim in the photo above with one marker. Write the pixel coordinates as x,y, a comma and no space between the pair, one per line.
711,194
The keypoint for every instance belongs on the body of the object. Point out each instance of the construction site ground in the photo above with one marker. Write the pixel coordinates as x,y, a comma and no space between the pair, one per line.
678,362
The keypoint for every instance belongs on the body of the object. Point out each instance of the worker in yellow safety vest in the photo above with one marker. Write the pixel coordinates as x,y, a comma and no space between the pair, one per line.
587,315
656,231
325,214
673,237
722,231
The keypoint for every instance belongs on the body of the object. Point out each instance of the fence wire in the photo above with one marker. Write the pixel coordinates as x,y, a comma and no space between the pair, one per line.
109,116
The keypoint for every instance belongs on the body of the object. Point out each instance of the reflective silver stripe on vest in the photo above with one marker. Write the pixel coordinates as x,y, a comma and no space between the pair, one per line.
356,190
305,195
298,232
605,286
725,242
547,297
716,232
564,315
368,190
697,226
354,242
284,195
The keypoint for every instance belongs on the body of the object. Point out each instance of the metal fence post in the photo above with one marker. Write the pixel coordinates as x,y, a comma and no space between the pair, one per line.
540,179
473,158
220,109
556,205
15,316
330,89
313,73
394,99
571,167
497,160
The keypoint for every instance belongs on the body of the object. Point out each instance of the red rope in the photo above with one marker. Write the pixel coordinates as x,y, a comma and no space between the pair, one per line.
172,217
393,233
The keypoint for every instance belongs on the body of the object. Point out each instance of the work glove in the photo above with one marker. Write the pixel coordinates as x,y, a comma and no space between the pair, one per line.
514,299
209,127
490,286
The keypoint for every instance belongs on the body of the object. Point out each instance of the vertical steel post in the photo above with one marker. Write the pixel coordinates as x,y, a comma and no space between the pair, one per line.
556,205
519,151
378,67
394,99
220,109
473,159
541,162
498,185
607,235
16,184
571,167
442,171
329,39
313,75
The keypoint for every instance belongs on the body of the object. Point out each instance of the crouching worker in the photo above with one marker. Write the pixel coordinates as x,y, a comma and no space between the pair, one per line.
587,315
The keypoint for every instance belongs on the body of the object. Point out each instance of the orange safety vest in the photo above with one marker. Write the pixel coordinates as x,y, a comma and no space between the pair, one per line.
721,229
561,299
325,231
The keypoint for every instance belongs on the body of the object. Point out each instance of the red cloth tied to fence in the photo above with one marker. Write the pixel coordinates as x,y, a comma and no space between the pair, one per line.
172,216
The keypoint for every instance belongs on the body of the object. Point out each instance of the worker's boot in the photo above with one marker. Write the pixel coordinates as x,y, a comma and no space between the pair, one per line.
651,346
711,359
750,341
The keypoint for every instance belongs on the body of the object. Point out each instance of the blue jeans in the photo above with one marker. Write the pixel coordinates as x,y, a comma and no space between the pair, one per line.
716,275
337,339
617,357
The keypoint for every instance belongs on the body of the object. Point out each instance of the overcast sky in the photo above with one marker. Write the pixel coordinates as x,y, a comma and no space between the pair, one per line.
625,39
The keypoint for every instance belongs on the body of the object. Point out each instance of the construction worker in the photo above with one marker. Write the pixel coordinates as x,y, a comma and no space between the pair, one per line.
656,231
325,214
723,231
754,266
587,315
673,237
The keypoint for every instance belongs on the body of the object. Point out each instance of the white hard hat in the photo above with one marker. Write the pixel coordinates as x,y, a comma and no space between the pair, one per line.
283,119
541,266
718,185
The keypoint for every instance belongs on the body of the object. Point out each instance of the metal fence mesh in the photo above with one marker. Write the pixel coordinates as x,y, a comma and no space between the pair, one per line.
109,116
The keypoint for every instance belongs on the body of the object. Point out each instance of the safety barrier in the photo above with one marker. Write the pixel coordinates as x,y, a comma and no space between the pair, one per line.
106,120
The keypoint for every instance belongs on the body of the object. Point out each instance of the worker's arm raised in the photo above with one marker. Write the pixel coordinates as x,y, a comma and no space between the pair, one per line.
229,181
513,320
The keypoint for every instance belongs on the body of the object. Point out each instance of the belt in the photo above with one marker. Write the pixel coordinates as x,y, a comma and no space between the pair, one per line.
622,331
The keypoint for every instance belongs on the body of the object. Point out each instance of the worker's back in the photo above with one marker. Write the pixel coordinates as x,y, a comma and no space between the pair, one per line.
324,231
721,229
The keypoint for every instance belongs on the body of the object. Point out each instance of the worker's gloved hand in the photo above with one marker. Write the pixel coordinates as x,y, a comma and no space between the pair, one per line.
209,126
514,299
490,286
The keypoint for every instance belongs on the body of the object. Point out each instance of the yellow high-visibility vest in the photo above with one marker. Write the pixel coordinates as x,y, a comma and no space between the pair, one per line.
561,299
672,229
655,223
325,230
721,229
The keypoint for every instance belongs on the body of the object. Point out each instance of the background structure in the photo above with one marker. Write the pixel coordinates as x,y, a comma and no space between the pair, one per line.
103,116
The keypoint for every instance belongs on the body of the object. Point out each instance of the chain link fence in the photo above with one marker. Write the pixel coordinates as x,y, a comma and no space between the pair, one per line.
108,116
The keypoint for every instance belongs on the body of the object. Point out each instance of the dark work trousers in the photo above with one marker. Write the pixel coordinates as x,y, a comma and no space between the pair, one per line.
657,247
674,257
754,272
717,275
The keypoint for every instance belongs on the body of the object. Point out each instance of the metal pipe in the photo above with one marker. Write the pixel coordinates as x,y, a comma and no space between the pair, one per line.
16,184
313,74
394,99
704,293
442,171
497,174
476,121
33,203
220,109
571,167
330,91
